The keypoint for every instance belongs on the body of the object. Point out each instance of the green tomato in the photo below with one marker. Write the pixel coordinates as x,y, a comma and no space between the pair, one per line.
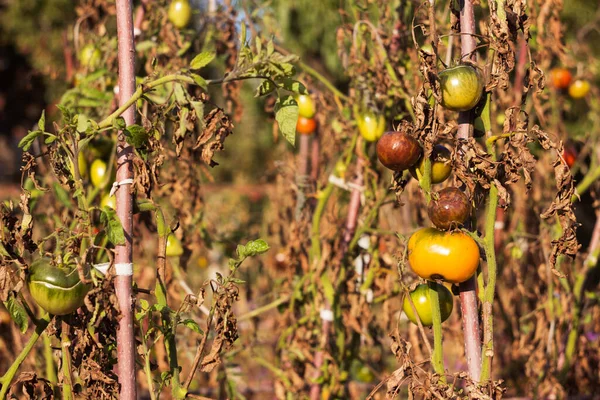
462,87
306,106
109,201
90,56
421,299
440,165
180,13
371,126
174,247
57,290
81,163
98,172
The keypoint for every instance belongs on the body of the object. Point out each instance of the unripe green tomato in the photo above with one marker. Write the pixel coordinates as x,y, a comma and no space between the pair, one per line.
180,13
90,56
306,106
371,126
422,301
98,172
57,290
109,201
81,163
462,87
174,247
440,165
579,89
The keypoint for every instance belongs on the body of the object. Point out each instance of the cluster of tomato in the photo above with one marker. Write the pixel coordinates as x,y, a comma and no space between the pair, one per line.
562,80
443,252
306,125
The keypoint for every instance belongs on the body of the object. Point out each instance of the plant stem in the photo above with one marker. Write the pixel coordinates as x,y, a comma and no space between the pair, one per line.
124,253
7,378
437,357
302,177
67,386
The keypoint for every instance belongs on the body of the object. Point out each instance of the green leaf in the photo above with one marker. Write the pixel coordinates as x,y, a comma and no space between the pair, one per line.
253,248
28,140
136,135
200,81
42,121
119,123
180,95
82,123
183,116
243,34
199,111
202,60
112,225
264,88
62,195
270,47
293,85
17,312
286,114
190,323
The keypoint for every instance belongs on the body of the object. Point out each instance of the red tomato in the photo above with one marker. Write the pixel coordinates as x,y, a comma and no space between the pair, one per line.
561,78
306,126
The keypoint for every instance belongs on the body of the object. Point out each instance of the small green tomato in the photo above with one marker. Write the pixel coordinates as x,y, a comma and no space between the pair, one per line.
422,301
371,126
462,87
174,247
306,106
180,13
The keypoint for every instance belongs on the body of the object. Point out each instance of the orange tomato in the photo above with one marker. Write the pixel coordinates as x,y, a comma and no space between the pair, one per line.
570,155
306,126
435,254
561,78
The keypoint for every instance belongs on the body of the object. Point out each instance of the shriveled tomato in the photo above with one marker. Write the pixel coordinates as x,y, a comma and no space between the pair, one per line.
579,89
560,77
462,87
435,254
422,301
449,208
306,126
440,165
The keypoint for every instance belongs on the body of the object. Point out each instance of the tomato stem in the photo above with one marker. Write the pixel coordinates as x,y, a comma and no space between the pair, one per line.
437,357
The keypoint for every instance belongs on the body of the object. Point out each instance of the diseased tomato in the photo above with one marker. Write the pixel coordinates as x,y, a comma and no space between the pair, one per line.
435,254
58,290
306,126
579,89
450,208
306,106
398,150
462,87
560,77
422,301
371,126
174,247
180,13
440,165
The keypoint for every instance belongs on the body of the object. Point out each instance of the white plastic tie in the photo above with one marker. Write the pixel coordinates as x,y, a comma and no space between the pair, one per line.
499,225
124,269
116,185
137,32
342,184
103,267
326,315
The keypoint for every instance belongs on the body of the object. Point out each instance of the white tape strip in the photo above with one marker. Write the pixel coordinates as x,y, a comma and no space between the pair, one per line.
103,268
499,225
339,182
327,315
124,269
115,185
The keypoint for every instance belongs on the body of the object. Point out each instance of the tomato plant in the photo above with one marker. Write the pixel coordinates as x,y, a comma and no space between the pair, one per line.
441,167
398,150
422,302
306,106
180,13
306,126
449,208
58,290
371,126
462,87
579,89
560,77
435,254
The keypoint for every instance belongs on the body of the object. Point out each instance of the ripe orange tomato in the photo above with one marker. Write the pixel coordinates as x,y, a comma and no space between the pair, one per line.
579,89
306,126
561,78
435,254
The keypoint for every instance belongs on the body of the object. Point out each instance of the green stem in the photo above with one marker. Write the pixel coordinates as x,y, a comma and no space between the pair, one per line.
256,312
315,74
315,239
437,357
49,361
67,387
7,378
589,178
